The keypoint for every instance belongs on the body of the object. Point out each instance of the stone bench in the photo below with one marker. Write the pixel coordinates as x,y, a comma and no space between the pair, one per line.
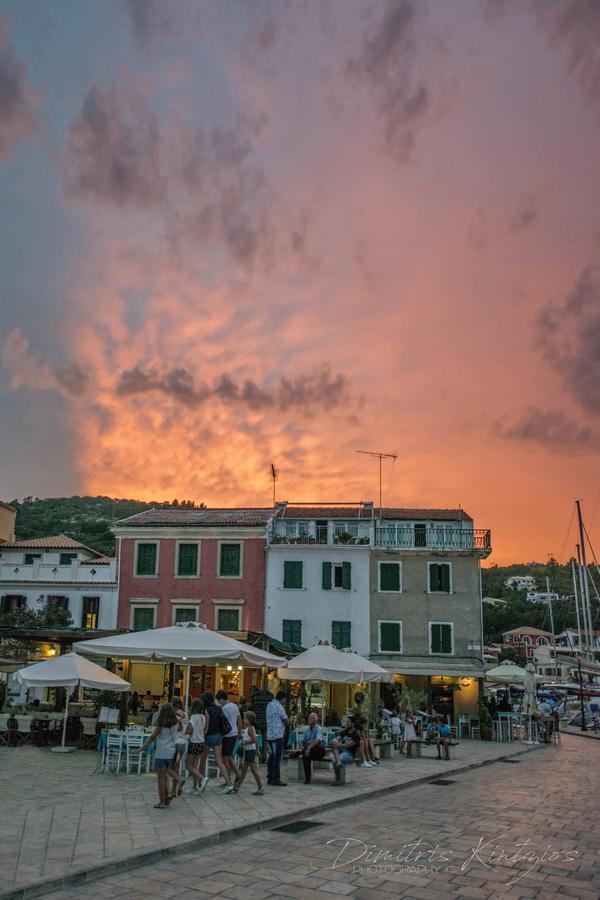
419,746
296,769
386,748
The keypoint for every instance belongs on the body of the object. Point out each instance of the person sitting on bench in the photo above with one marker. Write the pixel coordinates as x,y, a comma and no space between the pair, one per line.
444,736
344,749
367,749
312,745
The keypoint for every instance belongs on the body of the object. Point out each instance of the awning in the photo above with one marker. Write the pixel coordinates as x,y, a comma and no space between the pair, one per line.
458,669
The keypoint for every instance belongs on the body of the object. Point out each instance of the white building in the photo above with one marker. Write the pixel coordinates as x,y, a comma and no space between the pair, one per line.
78,578
542,597
520,583
317,575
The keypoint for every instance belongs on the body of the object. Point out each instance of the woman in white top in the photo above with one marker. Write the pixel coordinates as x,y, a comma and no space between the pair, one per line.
165,735
195,732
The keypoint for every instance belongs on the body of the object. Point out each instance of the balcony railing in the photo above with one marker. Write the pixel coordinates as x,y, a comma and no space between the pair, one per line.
320,536
433,539
48,572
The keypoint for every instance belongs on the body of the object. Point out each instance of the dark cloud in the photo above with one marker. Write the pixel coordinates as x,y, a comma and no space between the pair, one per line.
569,336
573,23
17,101
386,63
551,429
526,215
114,152
73,377
320,389
151,20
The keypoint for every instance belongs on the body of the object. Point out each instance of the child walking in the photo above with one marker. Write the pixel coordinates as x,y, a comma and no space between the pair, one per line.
180,744
250,746
195,731
164,734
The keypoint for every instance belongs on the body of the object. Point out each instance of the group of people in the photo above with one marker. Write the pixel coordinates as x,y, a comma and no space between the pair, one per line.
214,723
182,743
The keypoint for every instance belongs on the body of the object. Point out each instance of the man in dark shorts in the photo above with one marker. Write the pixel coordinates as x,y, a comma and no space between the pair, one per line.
232,714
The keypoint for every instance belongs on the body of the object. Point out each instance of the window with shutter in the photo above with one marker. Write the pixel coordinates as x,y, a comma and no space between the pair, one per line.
187,560
390,637
228,620
341,636
389,576
143,618
347,576
146,559
185,614
441,637
439,578
292,574
292,631
230,561
326,576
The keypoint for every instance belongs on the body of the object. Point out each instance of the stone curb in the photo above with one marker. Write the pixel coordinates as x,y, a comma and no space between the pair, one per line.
85,875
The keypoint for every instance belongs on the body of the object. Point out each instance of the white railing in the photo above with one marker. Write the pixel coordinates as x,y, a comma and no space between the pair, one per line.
49,572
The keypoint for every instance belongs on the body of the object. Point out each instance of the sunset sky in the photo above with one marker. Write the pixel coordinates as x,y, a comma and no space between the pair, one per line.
251,231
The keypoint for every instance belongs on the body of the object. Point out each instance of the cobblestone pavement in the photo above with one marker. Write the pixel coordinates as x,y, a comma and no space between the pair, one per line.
59,818
548,798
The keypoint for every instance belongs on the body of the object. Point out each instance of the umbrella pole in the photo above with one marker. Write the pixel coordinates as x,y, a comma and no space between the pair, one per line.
187,693
324,702
63,748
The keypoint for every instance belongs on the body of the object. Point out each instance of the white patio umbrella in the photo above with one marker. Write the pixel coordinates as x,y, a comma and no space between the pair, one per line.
509,673
68,671
324,662
187,643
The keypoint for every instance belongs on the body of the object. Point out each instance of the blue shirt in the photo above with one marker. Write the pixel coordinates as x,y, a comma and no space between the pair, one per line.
275,720
312,734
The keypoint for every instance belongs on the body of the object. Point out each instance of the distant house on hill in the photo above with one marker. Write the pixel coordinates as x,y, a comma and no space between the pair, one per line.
520,583
525,639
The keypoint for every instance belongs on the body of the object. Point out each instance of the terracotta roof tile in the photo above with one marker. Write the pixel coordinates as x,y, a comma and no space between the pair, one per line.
198,517
56,542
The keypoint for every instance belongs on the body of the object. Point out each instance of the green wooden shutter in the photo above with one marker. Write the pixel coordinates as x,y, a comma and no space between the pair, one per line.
146,559
436,638
292,631
292,574
433,578
389,576
230,560
228,620
327,577
347,576
389,637
187,559
341,635
184,614
446,638
444,580
143,619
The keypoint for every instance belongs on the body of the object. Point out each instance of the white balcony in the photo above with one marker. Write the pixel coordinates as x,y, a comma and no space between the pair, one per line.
48,573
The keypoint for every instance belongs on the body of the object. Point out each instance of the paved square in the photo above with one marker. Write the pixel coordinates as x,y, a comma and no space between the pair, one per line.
548,800
58,817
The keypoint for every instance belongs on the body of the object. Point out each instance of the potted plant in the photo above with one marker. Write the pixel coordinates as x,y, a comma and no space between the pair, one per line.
485,722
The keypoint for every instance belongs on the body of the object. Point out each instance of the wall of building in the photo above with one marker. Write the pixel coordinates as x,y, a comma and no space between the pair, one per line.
7,522
314,606
166,588
416,607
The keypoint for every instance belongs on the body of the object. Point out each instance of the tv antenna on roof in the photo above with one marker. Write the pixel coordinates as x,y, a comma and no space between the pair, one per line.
274,476
379,456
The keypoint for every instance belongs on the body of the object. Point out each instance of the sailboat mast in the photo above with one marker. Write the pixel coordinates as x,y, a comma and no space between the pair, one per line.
574,576
585,594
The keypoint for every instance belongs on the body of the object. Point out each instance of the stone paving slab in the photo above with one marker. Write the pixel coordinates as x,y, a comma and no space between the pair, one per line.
62,820
547,800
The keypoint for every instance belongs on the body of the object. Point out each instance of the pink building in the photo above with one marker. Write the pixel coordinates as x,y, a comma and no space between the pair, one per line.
200,565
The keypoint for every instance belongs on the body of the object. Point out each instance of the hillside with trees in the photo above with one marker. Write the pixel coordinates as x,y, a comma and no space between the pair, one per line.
518,609
86,519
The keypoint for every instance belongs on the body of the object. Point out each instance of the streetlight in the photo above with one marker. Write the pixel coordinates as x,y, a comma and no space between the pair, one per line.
583,725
